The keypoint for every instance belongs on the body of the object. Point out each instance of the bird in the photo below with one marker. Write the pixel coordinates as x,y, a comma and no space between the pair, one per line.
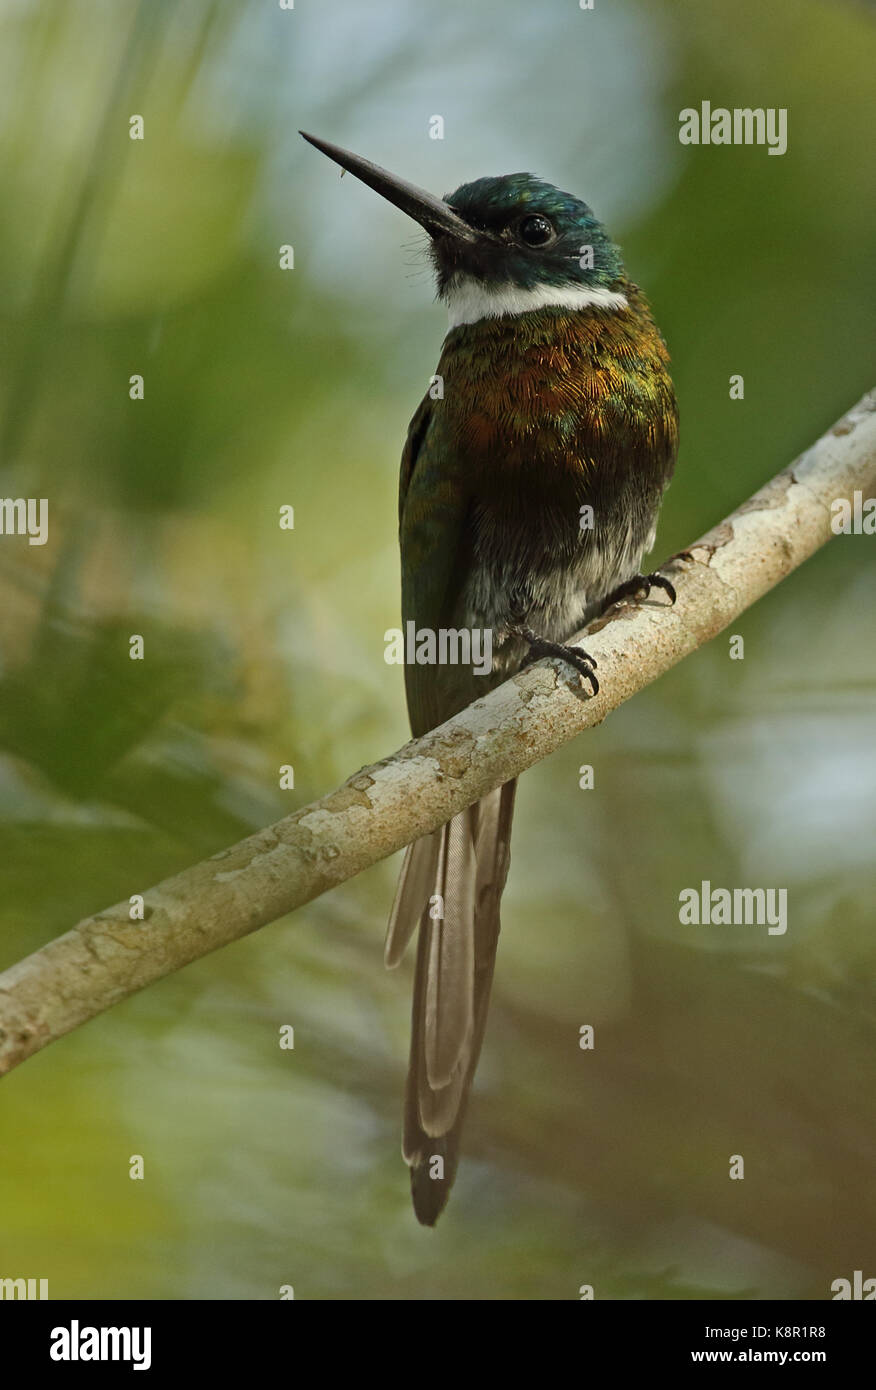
529,492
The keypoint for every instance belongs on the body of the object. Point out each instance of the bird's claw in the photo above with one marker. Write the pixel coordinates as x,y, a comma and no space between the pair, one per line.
582,661
640,586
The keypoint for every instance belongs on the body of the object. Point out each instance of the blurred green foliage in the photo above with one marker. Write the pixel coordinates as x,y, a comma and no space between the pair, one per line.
265,388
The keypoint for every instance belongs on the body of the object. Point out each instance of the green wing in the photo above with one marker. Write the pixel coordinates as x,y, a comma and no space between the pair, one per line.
435,540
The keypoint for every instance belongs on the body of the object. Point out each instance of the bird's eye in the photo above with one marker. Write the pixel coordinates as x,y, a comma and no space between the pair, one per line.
536,230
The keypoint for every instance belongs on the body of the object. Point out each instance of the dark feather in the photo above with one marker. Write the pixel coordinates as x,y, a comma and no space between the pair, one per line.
454,972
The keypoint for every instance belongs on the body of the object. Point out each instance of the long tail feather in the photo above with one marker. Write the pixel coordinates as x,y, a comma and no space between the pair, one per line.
451,885
415,884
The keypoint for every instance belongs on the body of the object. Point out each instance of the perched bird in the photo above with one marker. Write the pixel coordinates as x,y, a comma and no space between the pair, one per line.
556,400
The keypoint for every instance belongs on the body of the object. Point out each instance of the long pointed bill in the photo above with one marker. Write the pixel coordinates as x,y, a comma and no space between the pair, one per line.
436,216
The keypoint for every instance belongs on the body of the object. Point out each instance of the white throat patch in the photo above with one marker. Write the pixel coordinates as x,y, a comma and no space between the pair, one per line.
467,300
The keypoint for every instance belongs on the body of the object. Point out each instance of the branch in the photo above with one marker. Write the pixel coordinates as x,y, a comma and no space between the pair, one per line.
108,957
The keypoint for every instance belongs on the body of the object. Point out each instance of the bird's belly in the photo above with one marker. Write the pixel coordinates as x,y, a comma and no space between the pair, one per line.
531,574
527,578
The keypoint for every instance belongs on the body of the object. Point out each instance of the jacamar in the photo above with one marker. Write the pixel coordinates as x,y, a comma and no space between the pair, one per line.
556,399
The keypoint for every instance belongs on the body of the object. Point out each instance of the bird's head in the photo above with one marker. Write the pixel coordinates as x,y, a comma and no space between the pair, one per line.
513,241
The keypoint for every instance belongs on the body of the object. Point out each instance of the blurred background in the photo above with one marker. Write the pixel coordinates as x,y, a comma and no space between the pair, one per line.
265,388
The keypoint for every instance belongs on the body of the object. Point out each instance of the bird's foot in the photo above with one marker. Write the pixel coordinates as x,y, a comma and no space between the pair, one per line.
639,587
582,661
